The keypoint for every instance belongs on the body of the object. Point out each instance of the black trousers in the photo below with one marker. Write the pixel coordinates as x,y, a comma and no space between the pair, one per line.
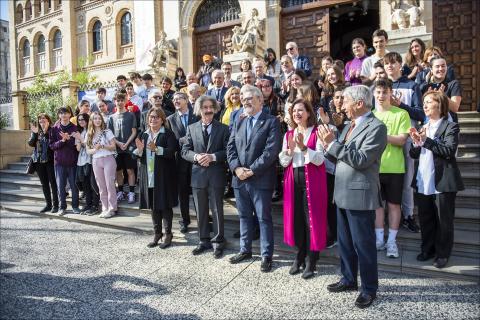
331,210
301,218
435,214
184,191
46,174
92,198
158,215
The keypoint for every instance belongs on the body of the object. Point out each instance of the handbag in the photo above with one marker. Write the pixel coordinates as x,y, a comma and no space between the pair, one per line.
30,166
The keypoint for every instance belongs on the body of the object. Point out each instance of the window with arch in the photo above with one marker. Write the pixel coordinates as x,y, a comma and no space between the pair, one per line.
37,8
57,50
26,57
97,36
19,14
126,29
28,10
41,56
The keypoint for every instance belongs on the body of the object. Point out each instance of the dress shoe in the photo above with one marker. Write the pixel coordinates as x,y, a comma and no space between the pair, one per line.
154,243
440,263
266,265
47,208
425,256
201,248
167,242
295,268
54,209
309,271
364,300
218,253
239,257
341,287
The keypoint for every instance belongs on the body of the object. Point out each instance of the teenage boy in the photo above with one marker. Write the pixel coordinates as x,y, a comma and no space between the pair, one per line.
62,143
138,85
101,94
392,165
405,95
380,41
123,124
168,94
121,82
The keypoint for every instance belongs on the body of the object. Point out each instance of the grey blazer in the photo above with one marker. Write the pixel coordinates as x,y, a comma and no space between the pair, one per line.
215,174
259,154
357,184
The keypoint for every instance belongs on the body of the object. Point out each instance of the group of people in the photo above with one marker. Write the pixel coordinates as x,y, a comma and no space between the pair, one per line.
339,148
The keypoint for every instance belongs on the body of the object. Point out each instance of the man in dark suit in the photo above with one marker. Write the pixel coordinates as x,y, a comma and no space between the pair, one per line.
357,153
205,146
227,71
253,148
259,67
218,90
299,62
179,122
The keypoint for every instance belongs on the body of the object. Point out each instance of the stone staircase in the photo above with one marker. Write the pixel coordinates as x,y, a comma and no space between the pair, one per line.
22,193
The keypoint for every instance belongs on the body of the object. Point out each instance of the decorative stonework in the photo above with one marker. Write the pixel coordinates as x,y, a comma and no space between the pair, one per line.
37,20
406,13
250,35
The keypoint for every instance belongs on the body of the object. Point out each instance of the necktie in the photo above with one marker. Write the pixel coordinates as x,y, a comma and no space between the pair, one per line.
206,136
249,128
184,120
218,94
349,132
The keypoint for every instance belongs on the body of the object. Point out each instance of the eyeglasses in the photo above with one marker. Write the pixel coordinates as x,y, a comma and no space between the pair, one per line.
157,97
290,49
154,117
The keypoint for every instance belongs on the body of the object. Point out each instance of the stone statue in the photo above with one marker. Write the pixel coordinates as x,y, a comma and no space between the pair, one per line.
161,52
245,38
405,13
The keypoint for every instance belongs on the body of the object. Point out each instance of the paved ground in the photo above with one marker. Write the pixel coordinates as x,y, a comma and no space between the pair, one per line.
57,269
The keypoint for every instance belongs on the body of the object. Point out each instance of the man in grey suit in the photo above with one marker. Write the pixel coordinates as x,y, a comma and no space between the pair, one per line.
357,153
178,122
205,146
254,144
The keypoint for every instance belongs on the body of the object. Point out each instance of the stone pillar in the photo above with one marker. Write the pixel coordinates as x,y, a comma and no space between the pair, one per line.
185,49
149,27
14,56
20,113
272,25
69,36
70,92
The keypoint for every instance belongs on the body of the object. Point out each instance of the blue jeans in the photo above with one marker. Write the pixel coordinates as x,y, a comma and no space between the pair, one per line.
62,174
356,244
250,199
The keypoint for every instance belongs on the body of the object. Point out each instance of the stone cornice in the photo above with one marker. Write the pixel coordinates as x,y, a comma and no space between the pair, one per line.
91,5
46,74
109,64
42,18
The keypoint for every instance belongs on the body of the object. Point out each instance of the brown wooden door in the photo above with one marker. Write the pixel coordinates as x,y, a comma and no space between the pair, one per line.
217,42
309,29
456,30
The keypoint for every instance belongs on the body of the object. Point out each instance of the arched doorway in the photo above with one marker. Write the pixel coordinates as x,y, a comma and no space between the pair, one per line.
213,25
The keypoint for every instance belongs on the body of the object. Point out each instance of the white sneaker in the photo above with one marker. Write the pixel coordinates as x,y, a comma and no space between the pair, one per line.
380,245
120,196
109,214
131,197
392,250
102,215
61,212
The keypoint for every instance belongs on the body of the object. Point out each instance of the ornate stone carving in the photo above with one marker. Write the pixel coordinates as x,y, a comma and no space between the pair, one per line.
163,54
406,14
248,37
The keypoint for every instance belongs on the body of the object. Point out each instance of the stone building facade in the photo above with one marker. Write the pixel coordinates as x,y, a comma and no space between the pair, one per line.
112,37
5,77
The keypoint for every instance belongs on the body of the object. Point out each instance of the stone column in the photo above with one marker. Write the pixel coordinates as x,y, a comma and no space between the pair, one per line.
70,92
20,114
272,25
185,49
69,36
146,30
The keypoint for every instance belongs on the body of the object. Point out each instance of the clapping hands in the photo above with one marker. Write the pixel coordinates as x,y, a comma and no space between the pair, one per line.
139,145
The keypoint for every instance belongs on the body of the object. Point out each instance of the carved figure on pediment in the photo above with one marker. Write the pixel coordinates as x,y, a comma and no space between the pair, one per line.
406,13
246,37
161,52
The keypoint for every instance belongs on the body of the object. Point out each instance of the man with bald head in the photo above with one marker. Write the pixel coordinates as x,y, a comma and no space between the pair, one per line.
192,78
299,62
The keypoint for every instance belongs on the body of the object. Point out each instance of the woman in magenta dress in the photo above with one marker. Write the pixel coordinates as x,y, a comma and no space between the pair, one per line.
354,66
305,189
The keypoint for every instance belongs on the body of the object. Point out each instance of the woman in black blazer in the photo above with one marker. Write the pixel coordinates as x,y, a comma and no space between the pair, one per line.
436,178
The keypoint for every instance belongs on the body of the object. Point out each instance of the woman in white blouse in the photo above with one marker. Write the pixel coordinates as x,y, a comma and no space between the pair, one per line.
437,178
305,189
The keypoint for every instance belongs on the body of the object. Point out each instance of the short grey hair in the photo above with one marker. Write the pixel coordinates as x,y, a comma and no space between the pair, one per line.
197,110
292,44
218,71
359,93
154,92
181,95
254,90
193,87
